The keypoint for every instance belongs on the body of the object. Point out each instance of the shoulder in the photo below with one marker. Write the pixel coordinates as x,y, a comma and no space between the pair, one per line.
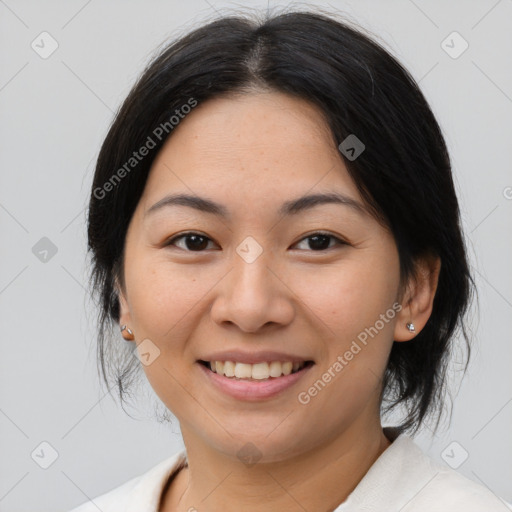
405,478
141,493
447,490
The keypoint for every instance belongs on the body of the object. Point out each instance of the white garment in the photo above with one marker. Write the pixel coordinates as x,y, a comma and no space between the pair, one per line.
402,479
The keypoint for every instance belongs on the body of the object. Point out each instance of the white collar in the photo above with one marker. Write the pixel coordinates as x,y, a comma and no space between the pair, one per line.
403,478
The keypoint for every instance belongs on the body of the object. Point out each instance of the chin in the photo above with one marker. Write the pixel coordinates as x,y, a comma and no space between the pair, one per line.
262,445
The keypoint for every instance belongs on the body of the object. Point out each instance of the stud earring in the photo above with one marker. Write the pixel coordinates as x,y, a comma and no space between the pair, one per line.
410,326
129,332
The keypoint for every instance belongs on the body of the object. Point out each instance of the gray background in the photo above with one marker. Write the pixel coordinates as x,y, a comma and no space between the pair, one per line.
54,113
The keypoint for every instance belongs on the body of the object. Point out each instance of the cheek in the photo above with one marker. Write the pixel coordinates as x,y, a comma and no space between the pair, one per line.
349,297
164,295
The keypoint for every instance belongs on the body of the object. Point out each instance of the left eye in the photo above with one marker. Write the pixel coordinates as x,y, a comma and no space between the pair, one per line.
321,241
196,242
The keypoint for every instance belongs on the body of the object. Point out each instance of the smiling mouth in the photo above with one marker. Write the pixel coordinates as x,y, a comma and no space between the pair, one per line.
264,371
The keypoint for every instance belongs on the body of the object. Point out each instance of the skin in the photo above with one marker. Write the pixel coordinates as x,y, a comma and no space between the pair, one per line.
251,153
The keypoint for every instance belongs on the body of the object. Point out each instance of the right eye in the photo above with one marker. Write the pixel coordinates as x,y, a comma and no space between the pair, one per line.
194,242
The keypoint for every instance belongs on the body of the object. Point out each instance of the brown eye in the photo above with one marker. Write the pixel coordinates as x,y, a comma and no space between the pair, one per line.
321,241
194,242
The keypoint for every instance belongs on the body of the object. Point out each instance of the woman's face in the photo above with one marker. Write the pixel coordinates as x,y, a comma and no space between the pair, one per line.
256,284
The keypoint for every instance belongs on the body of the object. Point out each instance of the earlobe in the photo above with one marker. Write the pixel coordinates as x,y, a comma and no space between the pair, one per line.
419,299
124,315
127,333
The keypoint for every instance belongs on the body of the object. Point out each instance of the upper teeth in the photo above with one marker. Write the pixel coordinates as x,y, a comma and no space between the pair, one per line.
255,371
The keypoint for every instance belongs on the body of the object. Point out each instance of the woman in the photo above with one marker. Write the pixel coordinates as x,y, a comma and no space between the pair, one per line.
275,231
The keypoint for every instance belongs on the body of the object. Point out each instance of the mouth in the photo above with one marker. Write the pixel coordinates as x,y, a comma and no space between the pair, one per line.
263,371
253,382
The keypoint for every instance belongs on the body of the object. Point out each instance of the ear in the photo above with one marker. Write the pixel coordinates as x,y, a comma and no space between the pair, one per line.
418,298
124,309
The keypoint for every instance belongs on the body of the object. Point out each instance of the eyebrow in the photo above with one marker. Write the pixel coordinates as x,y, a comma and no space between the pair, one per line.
287,209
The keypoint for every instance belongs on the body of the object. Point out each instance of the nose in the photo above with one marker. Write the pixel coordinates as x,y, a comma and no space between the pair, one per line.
253,297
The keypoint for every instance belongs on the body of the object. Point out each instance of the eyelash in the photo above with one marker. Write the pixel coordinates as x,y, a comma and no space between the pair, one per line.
339,241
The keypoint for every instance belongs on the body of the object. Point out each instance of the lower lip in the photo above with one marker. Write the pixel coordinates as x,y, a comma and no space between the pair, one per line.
253,390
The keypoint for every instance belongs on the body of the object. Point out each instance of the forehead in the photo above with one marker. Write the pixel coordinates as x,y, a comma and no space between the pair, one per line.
249,149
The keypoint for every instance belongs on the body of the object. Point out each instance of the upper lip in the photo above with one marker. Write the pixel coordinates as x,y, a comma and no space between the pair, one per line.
254,357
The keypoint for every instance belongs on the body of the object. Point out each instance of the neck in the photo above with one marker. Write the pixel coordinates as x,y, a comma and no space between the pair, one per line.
320,479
